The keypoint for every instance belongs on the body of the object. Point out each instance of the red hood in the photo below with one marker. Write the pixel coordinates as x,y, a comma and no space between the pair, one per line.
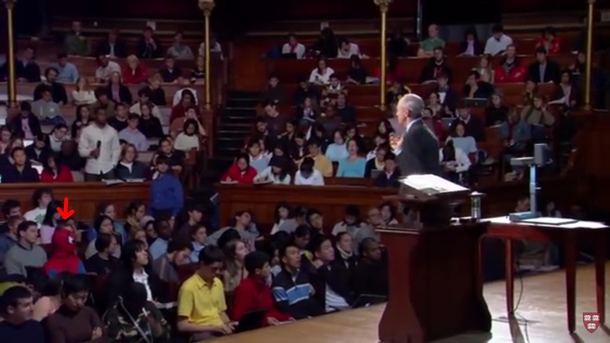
64,242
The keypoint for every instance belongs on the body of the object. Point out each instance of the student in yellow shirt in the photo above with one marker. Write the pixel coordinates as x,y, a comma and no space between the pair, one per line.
321,162
201,300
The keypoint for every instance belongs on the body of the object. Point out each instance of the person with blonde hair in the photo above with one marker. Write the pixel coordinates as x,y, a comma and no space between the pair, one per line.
134,72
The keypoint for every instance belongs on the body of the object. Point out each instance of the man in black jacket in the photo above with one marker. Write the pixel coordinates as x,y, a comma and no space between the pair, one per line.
330,282
543,70
112,46
33,123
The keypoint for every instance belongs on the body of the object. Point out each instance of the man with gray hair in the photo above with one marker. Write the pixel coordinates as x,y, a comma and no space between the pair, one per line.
417,151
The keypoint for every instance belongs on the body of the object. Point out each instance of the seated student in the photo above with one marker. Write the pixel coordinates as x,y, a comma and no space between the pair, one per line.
254,294
353,165
10,208
315,220
74,322
175,158
52,171
16,311
352,224
498,43
135,267
201,299
39,150
21,170
163,231
307,175
235,252
276,173
301,238
476,88
135,319
9,238
51,221
371,274
465,143
345,258
103,224
321,162
189,138
240,172
194,213
129,168
390,175
178,252
166,193
376,163
198,235
50,299
292,292
27,252
132,135
332,284
337,150
243,226
40,199
454,162
64,258
257,157
103,261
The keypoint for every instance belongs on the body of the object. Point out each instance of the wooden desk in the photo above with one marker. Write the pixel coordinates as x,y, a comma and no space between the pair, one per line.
84,196
568,236
331,200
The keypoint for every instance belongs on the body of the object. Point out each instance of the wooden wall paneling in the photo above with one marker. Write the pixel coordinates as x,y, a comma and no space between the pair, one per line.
331,200
248,69
229,9
83,196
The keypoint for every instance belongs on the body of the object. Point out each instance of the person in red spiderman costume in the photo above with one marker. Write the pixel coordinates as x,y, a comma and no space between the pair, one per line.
64,258
510,70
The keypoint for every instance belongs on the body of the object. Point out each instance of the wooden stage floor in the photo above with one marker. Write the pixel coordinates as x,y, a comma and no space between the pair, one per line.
543,306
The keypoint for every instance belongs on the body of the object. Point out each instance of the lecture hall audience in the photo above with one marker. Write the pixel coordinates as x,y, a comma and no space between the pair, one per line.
145,263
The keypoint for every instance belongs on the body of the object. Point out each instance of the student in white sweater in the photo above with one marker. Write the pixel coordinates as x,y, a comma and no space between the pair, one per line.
321,75
293,47
188,139
307,175
276,173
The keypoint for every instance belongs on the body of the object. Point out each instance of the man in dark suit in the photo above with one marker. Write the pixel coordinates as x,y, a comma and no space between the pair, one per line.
417,151
113,46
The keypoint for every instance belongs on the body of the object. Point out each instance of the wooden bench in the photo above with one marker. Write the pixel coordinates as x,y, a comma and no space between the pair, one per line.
331,200
368,95
83,196
408,68
27,89
371,46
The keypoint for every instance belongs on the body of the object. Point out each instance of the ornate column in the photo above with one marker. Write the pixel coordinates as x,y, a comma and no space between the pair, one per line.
589,54
12,81
207,6
383,9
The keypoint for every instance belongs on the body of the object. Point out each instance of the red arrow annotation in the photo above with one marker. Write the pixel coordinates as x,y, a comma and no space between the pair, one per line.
65,213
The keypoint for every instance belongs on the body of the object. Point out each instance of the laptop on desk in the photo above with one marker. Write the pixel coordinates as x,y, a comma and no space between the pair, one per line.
251,321
366,300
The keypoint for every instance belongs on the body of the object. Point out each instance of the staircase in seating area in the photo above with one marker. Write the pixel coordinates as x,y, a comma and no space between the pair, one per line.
235,125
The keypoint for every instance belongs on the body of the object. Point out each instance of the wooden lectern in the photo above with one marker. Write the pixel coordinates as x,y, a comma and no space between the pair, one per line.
435,289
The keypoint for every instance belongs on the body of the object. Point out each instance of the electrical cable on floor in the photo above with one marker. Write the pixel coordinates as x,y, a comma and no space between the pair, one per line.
516,306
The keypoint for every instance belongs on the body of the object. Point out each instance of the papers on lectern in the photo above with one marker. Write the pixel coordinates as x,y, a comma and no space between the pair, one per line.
431,184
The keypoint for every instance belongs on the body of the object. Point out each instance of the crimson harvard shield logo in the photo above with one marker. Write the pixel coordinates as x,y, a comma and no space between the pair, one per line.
591,321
